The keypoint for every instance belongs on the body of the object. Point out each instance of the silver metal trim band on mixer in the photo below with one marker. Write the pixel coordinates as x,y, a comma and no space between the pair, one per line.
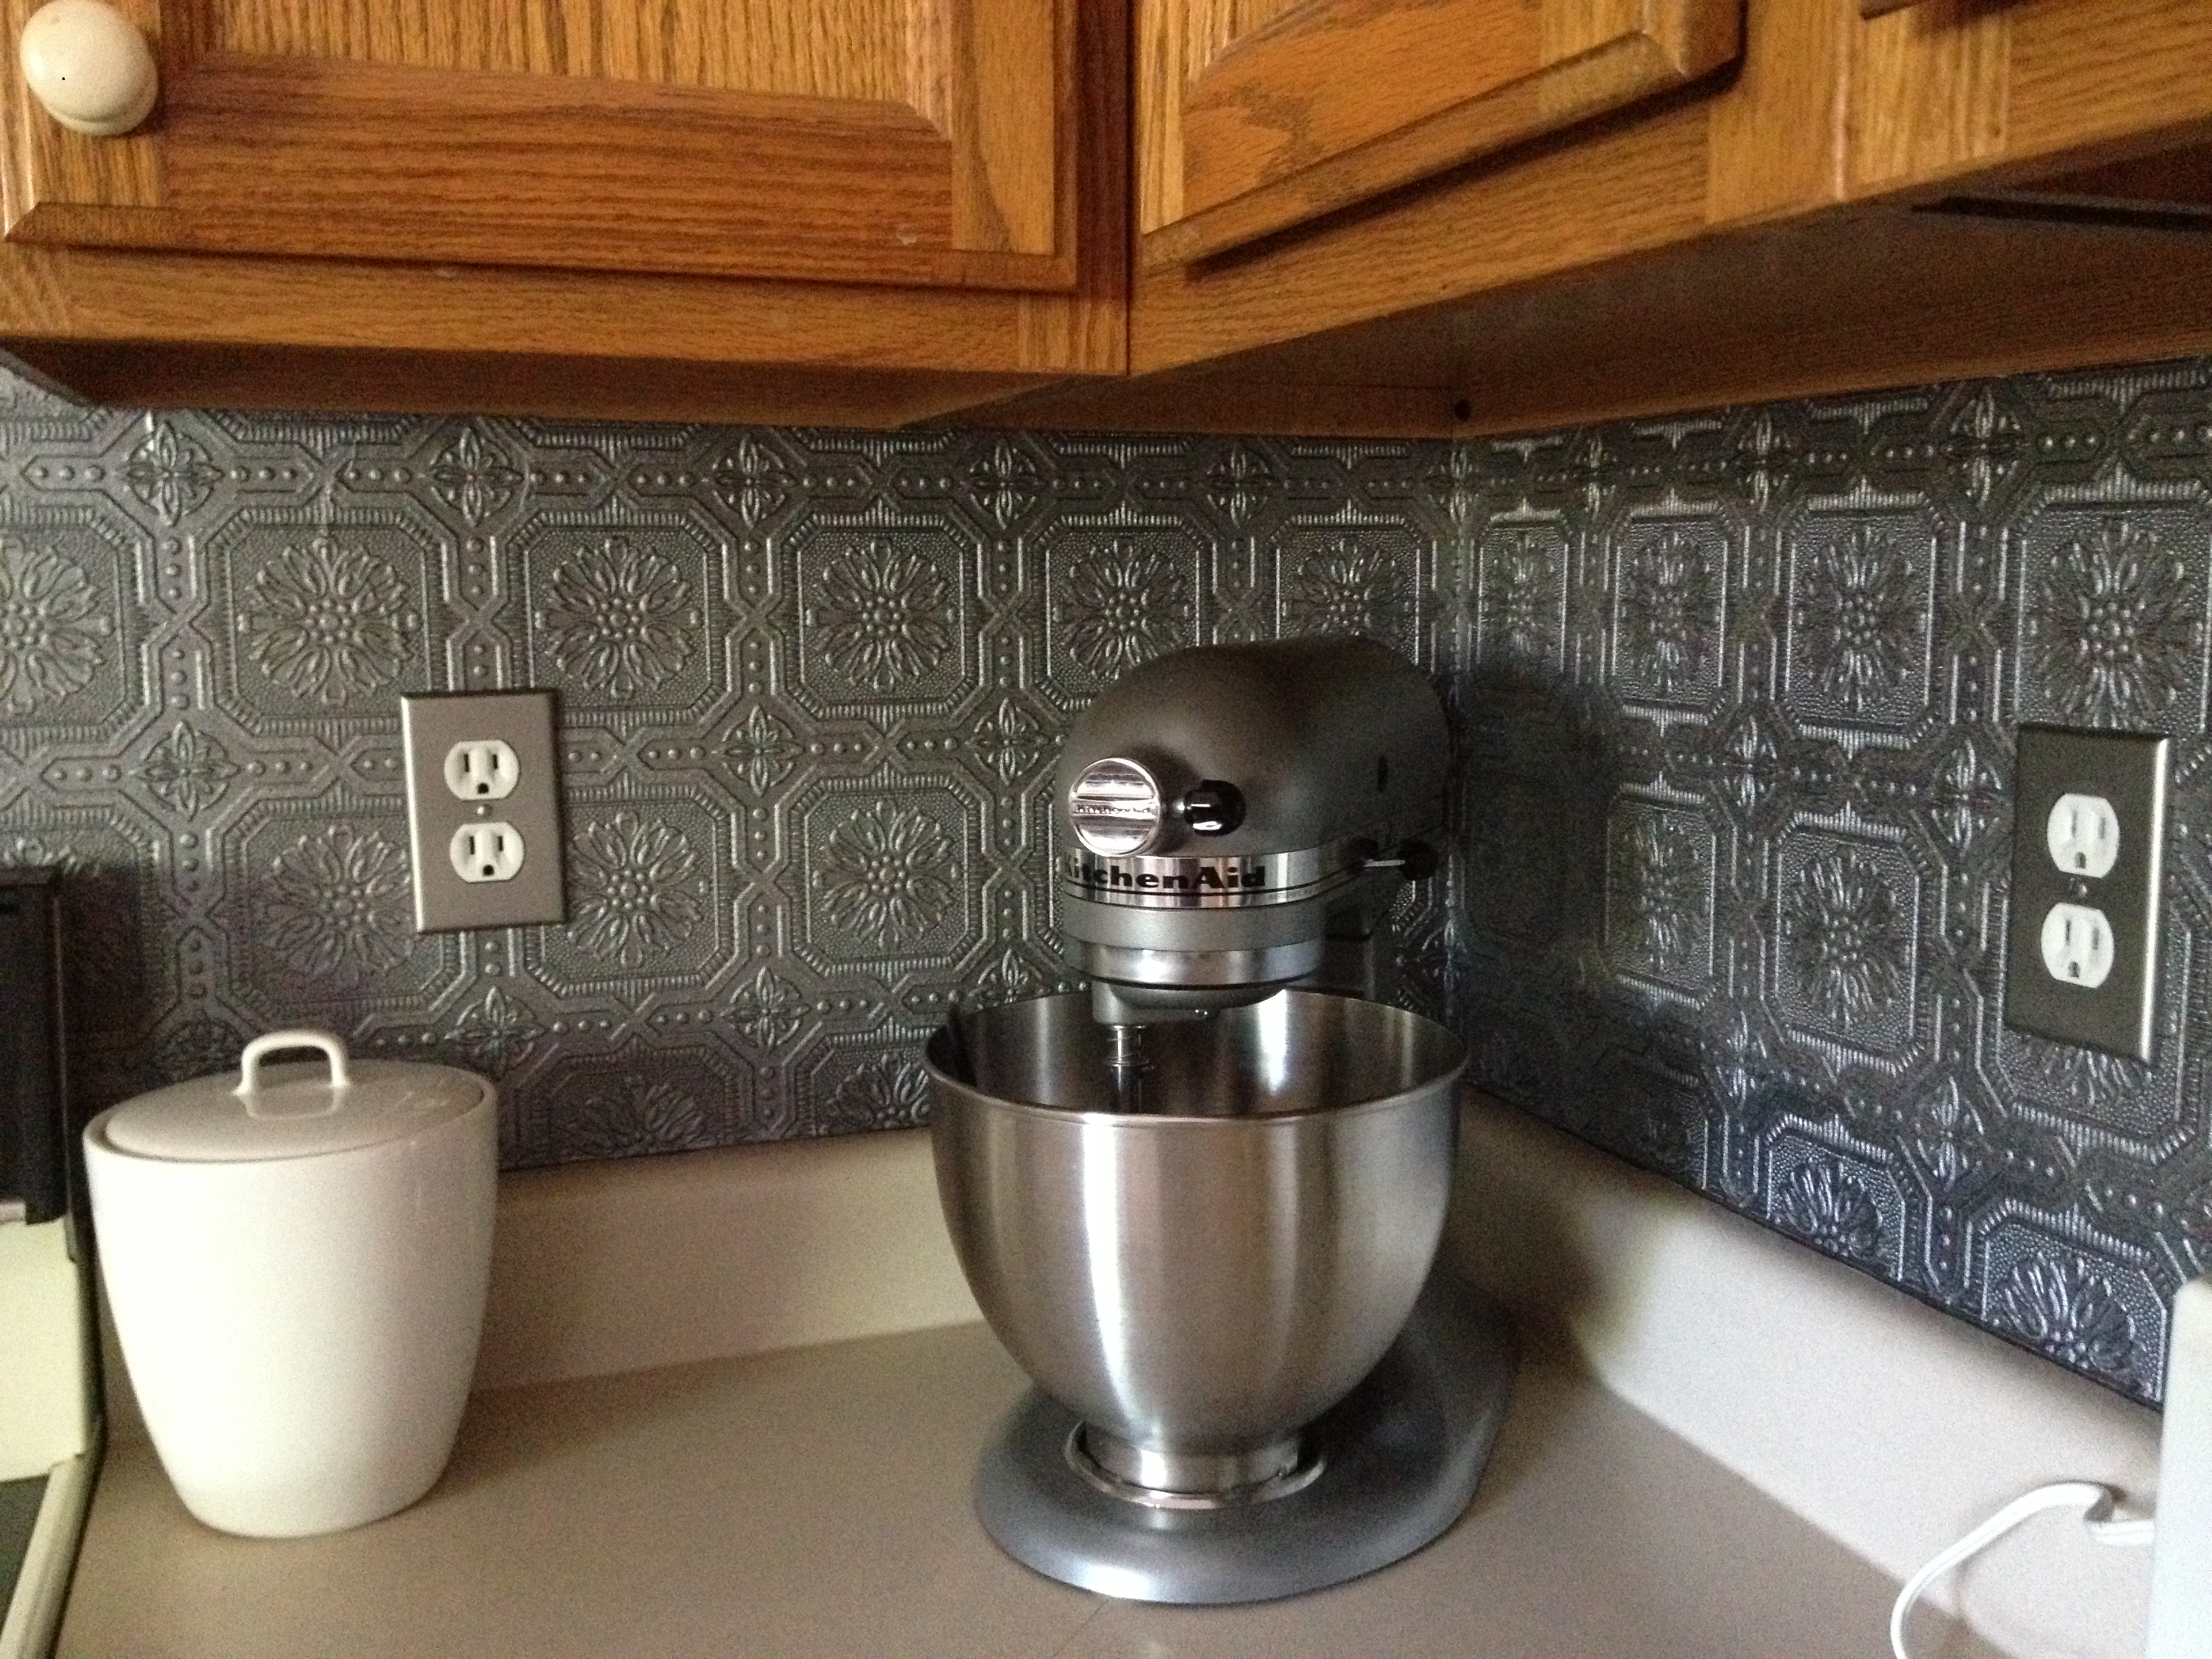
1211,883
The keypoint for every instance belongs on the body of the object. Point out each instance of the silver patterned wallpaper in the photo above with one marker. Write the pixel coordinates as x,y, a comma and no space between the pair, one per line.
811,687
1737,709
1734,695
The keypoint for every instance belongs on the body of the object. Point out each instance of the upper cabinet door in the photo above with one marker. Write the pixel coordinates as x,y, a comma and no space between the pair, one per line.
1255,115
917,142
1986,98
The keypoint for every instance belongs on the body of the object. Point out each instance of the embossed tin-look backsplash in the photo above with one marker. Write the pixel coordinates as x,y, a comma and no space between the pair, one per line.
1735,698
1737,709
811,685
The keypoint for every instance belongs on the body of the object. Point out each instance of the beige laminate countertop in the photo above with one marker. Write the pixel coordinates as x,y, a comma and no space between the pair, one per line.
814,1502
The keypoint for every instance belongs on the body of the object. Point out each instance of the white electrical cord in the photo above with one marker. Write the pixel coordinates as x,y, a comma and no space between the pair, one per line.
2094,1502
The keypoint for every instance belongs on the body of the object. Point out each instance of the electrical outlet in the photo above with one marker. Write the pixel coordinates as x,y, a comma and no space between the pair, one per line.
485,769
2087,853
2077,943
479,865
2083,836
487,852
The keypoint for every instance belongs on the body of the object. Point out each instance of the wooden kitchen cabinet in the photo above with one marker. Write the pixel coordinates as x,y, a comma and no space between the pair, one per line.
2055,101
909,141
1346,216
870,211
1958,188
1256,115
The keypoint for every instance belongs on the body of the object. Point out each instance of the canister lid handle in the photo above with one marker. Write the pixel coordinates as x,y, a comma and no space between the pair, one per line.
249,1063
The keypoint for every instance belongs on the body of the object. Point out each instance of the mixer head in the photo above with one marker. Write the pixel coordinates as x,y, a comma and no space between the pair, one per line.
1234,818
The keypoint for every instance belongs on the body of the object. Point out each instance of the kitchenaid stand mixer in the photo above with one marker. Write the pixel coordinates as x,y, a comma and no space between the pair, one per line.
1200,1201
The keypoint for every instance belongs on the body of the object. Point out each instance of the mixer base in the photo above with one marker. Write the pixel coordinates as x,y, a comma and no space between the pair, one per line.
1403,1453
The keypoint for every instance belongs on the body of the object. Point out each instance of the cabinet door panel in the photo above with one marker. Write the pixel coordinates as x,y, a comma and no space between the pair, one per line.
1255,115
1954,92
925,142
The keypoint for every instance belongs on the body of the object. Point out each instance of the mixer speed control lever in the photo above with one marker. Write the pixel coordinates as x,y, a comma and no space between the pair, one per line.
1211,807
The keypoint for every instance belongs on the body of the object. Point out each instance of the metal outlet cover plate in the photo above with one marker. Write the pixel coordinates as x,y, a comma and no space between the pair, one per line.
2129,769
430,726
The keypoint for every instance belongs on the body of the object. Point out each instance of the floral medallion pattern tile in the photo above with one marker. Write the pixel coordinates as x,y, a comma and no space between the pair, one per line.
812,683
1734,698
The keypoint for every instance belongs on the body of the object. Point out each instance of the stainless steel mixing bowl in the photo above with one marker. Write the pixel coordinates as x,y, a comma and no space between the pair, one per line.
1202,1276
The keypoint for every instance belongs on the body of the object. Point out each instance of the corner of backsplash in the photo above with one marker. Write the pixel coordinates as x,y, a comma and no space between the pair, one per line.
1736,823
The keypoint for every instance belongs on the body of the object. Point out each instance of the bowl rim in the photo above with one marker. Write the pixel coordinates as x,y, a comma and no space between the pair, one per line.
1447,1081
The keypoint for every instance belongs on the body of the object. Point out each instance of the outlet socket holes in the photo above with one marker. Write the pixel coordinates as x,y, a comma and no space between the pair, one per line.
2083,835
483,769
487,852
2077,946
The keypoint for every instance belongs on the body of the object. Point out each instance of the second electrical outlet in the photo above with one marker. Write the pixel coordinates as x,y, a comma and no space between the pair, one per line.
2089,852
483,810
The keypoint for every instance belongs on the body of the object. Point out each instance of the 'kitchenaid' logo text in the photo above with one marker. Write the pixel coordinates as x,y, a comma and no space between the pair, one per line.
1211,877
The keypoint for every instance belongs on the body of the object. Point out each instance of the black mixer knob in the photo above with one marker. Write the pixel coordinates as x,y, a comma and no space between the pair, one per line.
1211,807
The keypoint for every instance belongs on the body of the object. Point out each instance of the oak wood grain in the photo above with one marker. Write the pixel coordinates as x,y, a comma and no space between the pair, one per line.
925,143
1952,90
603,175
1777,134
1930,87
1003,127
824,49
1174,43
123,295
460,383
1623,185
1087,328
2007,92
1739,240
1848,302
1333,102
216,329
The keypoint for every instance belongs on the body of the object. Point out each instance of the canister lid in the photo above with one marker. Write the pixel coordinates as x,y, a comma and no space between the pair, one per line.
297,1111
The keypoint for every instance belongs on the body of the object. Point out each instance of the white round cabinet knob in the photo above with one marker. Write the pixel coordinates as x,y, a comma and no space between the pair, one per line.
89,66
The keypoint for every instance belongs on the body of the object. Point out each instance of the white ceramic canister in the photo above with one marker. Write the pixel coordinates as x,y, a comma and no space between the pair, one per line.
297,1258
